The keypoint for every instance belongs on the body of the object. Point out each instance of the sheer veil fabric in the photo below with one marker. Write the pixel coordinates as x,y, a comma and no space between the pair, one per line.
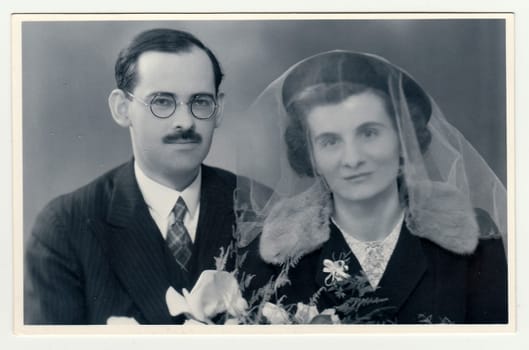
447,186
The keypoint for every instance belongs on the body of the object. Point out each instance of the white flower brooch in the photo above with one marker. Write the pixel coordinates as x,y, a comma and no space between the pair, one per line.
336,270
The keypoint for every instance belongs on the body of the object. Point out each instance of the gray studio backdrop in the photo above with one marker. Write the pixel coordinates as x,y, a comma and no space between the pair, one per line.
69,137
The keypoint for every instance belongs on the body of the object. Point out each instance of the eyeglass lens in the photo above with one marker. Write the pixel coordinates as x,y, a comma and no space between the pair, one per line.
201,106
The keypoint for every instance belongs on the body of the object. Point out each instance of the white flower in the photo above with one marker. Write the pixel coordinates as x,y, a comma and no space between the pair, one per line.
275,314
231,321
332,314
122,321
305,313
214,292
327,316
337,271
192,322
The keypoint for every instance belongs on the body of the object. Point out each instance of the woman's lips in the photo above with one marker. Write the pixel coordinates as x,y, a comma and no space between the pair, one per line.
357,177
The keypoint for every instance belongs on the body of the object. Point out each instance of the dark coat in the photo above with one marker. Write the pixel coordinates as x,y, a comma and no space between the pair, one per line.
96,252
422,283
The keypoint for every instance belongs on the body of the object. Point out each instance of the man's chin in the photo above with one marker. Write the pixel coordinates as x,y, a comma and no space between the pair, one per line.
188,170
183,165
179,176
186,163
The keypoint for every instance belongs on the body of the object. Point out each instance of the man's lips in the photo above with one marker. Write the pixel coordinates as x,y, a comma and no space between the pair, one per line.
179,141
182,139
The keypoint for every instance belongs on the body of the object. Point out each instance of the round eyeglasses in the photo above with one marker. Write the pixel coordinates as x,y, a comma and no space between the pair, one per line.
163,105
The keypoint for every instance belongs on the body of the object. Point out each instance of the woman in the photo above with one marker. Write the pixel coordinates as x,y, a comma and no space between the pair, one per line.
378,209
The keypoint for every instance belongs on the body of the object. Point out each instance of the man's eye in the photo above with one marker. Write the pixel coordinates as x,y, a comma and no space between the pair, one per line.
203,101
161,101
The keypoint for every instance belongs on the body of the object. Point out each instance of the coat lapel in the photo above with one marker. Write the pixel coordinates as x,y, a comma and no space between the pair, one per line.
404,271
135,248
334,249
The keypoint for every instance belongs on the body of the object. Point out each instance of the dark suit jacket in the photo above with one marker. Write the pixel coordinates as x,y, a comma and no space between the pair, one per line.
422,281
96,252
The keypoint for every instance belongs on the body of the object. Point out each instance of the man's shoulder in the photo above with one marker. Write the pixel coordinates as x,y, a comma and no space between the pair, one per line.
100,185
221,177
95,194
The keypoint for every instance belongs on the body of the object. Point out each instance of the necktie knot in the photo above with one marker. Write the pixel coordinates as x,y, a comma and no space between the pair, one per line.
179,210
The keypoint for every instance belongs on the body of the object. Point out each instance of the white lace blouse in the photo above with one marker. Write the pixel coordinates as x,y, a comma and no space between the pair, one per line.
373,256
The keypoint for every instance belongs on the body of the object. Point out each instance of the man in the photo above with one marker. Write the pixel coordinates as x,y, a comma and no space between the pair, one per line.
113,247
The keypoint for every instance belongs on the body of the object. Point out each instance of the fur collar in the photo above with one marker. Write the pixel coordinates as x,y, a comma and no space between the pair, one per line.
296,226
299,225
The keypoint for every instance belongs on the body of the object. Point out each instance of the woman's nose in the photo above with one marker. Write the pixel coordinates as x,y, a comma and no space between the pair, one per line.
352,155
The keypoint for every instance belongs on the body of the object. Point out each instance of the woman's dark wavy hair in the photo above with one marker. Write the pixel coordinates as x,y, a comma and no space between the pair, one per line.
161,40
330,87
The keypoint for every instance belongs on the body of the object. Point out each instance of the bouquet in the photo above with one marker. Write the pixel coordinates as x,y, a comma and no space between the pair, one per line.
217,296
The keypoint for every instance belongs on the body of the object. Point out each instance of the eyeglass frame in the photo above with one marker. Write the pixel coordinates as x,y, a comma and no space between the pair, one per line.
177,103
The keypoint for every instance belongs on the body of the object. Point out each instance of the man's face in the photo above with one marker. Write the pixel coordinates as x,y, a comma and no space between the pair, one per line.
173,147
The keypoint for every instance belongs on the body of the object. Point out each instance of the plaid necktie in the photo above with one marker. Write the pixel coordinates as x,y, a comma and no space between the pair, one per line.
178,238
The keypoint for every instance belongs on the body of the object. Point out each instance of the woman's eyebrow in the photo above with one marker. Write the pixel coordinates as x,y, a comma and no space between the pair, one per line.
371,123
325,134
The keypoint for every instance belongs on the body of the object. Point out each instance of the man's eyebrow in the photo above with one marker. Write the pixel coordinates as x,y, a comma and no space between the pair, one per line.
158,93
167,93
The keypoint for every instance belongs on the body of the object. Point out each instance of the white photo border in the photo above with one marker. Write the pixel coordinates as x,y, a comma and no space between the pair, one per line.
158,330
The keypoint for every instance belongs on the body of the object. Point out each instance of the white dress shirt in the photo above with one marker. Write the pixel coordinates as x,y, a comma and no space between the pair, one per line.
161,199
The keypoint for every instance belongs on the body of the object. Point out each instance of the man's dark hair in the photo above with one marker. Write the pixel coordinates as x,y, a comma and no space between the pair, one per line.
161,40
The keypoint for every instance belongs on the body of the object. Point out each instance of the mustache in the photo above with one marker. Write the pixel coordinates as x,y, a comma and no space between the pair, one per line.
188,135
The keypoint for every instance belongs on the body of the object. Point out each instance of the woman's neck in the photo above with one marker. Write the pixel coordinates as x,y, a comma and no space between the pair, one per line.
371,219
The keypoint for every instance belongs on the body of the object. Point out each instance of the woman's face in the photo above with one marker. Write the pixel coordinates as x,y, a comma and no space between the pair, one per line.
355,147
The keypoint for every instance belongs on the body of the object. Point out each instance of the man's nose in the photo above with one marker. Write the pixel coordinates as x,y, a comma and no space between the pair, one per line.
182,117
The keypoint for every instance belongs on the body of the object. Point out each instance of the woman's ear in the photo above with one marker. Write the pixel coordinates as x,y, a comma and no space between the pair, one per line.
119,107
220,107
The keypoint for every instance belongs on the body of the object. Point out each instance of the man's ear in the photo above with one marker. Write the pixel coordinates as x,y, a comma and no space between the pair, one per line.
119,107
220,107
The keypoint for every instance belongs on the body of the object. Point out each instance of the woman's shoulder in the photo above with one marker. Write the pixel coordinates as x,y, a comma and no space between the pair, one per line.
490,242
487,227
489,246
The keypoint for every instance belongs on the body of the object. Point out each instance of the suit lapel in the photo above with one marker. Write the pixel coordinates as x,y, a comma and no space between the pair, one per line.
215,223
135,248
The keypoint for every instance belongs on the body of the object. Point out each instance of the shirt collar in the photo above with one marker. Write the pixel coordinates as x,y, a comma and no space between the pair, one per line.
162,199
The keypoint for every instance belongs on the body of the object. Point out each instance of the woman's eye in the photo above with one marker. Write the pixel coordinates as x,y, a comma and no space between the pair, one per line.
370,132
328,141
